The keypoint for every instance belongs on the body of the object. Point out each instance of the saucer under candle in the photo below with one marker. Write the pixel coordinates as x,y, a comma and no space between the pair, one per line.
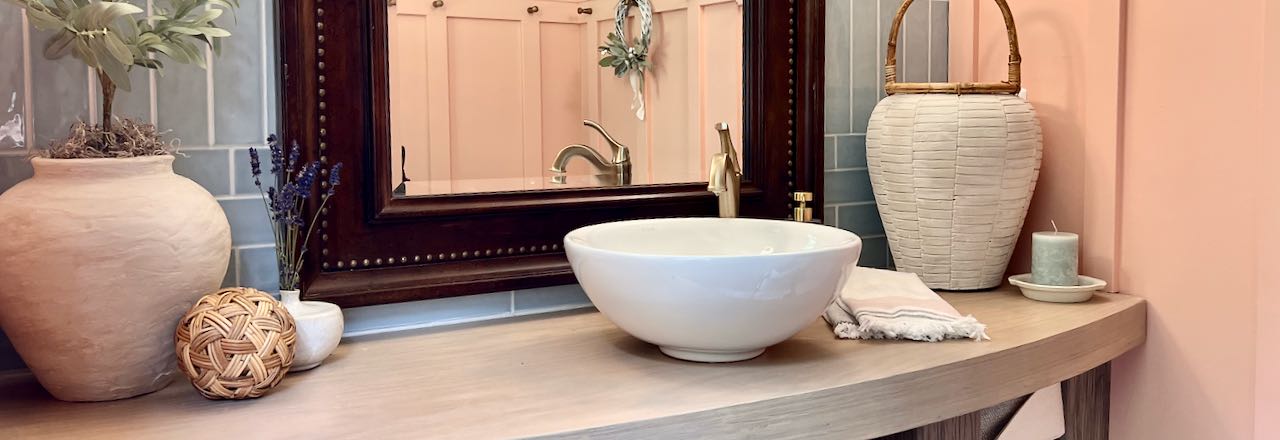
319,325
1081,292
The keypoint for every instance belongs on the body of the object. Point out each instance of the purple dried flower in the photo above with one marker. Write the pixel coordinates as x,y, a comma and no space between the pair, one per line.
335,177
294,154
277,155
255,166
307,179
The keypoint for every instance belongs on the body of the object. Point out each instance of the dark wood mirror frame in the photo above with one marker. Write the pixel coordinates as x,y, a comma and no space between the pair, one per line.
373,248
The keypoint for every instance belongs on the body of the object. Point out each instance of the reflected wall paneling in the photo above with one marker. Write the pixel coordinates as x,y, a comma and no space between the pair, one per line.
463,70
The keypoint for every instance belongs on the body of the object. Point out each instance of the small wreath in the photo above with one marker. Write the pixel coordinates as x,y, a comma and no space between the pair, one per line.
632,58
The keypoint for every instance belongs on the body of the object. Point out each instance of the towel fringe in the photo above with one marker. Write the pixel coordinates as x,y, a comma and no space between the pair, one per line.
869,327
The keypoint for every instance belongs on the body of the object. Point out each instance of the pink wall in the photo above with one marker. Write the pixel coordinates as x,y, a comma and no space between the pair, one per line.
1267,413
1070,71
1137,118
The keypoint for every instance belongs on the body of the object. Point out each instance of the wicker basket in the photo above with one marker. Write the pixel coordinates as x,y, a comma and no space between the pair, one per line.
953,167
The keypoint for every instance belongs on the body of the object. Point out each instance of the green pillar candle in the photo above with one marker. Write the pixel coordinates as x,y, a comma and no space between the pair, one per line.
1055,258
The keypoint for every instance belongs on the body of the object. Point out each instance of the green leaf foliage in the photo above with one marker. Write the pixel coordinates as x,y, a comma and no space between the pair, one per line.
115,36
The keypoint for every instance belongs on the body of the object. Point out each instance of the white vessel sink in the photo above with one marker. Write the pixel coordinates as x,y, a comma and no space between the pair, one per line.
711,289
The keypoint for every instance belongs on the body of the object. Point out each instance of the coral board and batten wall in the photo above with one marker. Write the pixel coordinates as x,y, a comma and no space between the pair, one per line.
1167,180
462,70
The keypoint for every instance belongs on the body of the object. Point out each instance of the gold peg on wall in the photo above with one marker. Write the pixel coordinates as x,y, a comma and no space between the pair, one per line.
585,11
437,4
533,9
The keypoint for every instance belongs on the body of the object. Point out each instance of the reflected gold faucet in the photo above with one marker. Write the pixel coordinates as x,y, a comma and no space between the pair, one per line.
619,167
726,174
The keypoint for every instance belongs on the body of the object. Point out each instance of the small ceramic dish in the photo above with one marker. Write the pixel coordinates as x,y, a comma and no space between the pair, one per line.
1058,294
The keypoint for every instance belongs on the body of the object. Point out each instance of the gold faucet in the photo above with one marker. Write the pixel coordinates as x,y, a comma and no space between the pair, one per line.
619,167
726,174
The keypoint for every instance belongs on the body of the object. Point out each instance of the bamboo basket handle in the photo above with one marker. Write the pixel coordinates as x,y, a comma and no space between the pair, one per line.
1012,86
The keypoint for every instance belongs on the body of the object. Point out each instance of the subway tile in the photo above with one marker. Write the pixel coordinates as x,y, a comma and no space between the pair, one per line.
941,43
12,86
848,186
550,298
861,219
888,9
258,269
237,80
866,63
828,152
230,279
838,70
249,222
914,52
182,103
851,151
206,167
829,216
416,314
135,103
243,177
59,92
14,169
273,124
874,252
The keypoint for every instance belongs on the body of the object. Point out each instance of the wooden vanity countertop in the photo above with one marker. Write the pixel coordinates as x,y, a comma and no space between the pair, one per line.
577,375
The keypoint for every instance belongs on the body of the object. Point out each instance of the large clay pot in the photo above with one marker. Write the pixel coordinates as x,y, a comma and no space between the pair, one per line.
98,261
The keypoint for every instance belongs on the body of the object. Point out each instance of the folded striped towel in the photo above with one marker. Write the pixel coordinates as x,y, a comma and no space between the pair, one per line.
883,304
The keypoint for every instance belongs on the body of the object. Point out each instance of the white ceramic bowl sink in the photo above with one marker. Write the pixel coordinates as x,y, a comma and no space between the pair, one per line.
711,289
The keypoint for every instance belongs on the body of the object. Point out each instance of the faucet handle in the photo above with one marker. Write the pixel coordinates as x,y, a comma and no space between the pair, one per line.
726,143
802,212
621,154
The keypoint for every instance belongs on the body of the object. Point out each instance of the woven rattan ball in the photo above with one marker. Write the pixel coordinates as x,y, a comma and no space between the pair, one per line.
237,343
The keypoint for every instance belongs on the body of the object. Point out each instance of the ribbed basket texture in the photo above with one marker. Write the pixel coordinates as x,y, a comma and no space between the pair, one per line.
953,177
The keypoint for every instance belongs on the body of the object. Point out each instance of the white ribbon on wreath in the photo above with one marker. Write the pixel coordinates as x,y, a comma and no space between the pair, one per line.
630,59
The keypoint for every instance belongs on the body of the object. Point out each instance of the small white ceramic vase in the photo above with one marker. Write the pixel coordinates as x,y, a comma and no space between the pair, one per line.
319,326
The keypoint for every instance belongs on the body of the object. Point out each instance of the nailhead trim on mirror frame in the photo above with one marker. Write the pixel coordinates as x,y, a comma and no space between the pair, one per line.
338,264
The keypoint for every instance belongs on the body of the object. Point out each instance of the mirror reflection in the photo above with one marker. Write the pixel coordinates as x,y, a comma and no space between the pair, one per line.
521,95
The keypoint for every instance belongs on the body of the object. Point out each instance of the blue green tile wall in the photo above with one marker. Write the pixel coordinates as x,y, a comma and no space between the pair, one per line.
856,35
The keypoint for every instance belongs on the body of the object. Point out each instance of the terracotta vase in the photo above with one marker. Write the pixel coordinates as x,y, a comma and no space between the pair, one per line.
99,260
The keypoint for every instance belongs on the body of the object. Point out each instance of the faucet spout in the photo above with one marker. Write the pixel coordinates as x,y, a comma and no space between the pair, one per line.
578,150
620,166
725,180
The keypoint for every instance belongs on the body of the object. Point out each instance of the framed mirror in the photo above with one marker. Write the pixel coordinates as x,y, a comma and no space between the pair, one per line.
476,133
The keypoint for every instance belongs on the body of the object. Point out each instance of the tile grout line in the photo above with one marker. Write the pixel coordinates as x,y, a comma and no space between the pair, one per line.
262,55
28,103
236,256
210,94
231,172
153,102
852,81
92,97
929,46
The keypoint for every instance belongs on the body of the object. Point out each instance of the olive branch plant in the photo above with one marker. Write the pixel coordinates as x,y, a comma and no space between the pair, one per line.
113,37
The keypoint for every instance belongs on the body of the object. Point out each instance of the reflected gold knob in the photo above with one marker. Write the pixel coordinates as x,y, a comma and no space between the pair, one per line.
802,196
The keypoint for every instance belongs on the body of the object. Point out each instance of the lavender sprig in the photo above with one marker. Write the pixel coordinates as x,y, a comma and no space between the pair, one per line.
286,203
